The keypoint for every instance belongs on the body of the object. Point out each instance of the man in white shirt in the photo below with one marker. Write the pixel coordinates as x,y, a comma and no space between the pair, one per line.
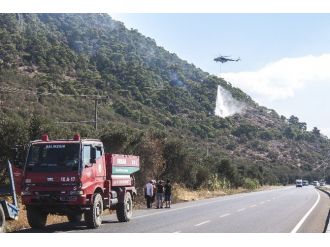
148,193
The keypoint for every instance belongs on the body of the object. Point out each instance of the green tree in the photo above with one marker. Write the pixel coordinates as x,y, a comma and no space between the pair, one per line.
316,131
289,133
293,120
37,127
227,170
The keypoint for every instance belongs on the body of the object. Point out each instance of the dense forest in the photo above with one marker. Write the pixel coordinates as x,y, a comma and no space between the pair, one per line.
55,68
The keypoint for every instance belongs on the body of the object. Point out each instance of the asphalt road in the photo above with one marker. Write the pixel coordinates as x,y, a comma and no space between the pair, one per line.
272,211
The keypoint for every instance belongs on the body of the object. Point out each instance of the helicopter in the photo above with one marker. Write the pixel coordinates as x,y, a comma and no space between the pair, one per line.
224,59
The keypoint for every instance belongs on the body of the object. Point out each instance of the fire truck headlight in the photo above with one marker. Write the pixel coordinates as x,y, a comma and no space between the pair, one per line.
76,192
26,193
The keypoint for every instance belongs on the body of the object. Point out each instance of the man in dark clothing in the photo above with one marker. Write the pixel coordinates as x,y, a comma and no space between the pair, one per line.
160,194
168,194
154,191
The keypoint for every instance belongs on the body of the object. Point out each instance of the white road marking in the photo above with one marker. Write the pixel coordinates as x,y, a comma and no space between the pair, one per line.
177,232
191,206
240,210
296,228
262,202
202,223
206,203
224,215
254,205
268,200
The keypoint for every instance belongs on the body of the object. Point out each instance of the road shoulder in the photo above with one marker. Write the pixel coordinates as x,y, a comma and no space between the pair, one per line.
316,221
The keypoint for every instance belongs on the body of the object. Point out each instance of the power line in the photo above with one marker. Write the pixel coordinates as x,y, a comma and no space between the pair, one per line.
7,89
94,97
71,122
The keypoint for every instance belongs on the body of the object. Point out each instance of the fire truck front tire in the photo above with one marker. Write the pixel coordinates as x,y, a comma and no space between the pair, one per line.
2,219
36,217
125,209
93,217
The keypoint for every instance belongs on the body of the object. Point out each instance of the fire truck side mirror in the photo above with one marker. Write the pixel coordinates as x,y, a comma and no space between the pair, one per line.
15,159
14,153
20,164
93,155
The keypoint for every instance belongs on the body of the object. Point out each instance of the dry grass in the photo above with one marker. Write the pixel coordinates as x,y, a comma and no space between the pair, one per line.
325,188
180,194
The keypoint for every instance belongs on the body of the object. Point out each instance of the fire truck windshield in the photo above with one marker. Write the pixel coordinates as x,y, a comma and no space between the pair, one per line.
55,157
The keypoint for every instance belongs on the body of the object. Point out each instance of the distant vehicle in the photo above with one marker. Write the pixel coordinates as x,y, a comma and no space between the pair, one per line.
322,183
316,183
305,183
299,183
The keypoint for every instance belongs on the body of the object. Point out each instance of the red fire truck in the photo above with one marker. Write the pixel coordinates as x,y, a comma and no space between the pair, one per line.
77,178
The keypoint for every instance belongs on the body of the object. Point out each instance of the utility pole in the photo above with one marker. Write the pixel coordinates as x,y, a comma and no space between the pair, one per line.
97,99
95,114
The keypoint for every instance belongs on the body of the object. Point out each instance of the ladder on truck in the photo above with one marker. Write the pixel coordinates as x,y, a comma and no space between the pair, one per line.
8,211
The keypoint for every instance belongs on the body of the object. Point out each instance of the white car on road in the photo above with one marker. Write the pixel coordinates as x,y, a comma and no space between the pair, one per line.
316,183
299,183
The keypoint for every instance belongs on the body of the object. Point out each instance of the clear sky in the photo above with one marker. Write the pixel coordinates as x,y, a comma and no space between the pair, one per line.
285,57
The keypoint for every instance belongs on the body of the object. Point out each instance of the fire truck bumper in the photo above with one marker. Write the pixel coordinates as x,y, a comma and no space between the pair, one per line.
54,199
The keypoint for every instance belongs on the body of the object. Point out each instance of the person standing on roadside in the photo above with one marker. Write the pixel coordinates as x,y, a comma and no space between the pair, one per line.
149,191
168,193
160,194
154,191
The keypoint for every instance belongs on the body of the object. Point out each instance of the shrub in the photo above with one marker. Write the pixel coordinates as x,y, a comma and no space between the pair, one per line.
266,135
251,184
215,183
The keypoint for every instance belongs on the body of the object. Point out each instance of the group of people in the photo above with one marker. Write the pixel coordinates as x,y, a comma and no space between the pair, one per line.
159,191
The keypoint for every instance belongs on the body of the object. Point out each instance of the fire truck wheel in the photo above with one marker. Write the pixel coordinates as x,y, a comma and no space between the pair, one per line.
74,217
93,217
36,217
2,219
124,210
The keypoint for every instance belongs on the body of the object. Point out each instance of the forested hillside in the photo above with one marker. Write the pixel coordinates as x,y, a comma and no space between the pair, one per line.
53,67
